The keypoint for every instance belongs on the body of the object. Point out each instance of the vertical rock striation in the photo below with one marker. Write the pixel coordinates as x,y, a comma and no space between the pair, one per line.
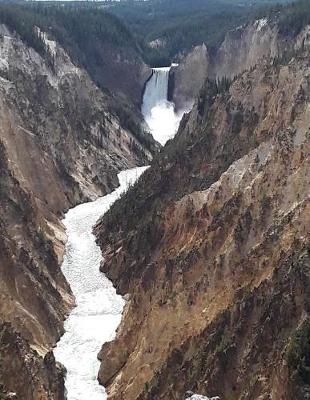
241,49
61,143
211,248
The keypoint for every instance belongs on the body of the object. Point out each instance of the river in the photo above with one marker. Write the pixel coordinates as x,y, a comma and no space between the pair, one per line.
98,308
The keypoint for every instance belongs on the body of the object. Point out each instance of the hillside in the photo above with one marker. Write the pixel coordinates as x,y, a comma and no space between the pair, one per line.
62,142
274,33
167,29
210,247
94,39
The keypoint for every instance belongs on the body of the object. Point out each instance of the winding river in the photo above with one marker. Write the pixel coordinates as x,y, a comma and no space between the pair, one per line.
98,309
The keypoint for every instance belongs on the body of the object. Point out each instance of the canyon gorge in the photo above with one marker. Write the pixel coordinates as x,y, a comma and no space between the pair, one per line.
154,239
62,143
213,254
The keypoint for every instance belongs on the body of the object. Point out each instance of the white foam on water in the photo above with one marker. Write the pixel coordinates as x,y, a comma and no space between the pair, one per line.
163,121
99,309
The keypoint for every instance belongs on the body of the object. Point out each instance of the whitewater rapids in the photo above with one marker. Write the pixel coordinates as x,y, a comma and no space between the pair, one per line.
98,309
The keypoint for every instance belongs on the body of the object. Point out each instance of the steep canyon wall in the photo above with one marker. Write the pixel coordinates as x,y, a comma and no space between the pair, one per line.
61,143
211,247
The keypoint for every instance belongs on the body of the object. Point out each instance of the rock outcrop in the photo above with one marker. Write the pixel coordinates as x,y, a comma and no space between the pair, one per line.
121,71
61,143
240,50
188,77
211,248
33,377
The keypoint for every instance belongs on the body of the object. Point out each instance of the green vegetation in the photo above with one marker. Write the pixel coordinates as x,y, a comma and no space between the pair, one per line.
91,37
22,21
183,35
1,390
158,31
294,17
128,120
209,91
181,24
298,352
81,31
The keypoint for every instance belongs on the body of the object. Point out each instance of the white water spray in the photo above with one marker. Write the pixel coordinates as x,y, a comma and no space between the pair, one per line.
158,112
99,309
156,89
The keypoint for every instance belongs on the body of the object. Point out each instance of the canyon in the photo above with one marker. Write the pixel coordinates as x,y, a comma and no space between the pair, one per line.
211,247
62,143
98,308
208,251
241,49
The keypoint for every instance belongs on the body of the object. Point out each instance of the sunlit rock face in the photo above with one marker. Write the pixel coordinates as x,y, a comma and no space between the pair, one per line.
60,145
188,77
241,49
213,252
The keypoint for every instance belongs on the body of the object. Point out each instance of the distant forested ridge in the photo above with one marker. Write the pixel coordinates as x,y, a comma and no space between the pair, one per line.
155,30
294,17
164,29
77,29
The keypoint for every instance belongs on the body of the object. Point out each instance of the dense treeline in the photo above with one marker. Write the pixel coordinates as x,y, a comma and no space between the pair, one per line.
76,28
177,25
81,26
22,20
85,32
171,27
294,17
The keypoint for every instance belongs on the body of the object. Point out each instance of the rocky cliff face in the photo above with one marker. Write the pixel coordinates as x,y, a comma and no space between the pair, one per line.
213,251
241,49
188,77
33,377
121,71
61,142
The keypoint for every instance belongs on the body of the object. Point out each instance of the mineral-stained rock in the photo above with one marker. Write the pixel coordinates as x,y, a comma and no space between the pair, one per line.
61,143
37,377
212,245
241,49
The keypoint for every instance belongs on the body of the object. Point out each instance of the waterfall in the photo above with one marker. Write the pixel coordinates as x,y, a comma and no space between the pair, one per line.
98,308
158,112
156,90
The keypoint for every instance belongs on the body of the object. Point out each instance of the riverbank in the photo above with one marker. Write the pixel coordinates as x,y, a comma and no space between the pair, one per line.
98,309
